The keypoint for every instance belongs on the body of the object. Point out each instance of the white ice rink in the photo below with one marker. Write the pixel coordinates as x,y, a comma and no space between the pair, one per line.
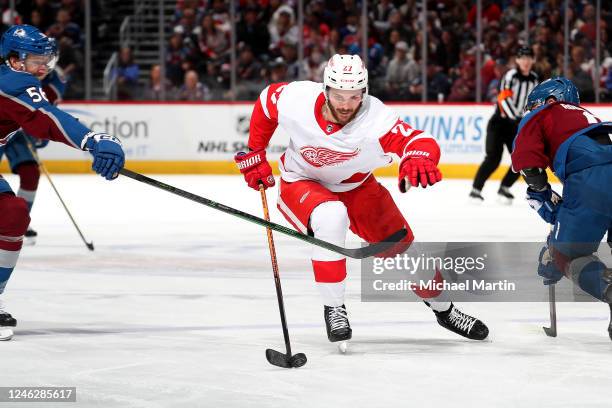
177,304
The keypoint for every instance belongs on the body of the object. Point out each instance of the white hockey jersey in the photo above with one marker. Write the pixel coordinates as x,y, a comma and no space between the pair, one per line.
338,157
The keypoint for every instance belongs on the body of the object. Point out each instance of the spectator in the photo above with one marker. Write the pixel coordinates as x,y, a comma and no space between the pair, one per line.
252,32
542,66
127,73
447,51
187,22
282,29
213,42
71,62
579,74
314,65
396,23
36,19
438,85
401,72
380,14
215,80
289,55
64,27
278,71
464,87
47,14
176,57
249,69
220,15
154,89
490,12
192,89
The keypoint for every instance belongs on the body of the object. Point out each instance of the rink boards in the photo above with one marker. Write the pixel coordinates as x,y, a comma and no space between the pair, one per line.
202,138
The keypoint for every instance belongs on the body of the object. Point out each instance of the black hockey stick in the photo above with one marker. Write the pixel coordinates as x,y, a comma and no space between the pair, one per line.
42,167
552,330
274,357
357,253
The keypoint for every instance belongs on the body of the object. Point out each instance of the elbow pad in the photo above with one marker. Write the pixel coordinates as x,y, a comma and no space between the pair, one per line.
536,178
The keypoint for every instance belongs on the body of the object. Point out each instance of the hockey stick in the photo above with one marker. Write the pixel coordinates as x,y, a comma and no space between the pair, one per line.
42,167
357,253
274,357
552,330
552,306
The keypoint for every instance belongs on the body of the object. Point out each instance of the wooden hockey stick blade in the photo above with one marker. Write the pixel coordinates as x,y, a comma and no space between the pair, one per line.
357,253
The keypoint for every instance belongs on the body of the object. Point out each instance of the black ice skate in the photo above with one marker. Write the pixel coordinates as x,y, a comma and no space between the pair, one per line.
465,325
6,322
476,196
6,319
504,195
337,324
30,237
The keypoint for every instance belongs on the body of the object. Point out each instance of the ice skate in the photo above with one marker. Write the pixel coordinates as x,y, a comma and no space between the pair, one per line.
337,325
504,196
463,324
30,237
476,196
6,322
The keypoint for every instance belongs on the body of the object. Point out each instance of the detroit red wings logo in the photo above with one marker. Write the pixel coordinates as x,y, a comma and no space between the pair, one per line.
321,156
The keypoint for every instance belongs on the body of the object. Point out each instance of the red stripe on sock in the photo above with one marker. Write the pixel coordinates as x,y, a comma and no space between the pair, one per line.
329,271
430,293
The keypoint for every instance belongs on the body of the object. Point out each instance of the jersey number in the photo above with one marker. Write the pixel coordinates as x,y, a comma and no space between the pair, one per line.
37,95
276,94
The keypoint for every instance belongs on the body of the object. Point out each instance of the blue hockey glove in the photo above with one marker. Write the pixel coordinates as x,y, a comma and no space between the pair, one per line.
545,202
108,154
547,268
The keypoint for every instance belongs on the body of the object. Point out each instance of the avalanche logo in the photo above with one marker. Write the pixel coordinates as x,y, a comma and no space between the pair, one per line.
321,156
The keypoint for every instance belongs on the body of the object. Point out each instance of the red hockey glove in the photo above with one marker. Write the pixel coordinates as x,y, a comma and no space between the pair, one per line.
255,168
416,168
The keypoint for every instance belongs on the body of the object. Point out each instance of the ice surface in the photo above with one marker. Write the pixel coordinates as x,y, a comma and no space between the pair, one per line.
177,304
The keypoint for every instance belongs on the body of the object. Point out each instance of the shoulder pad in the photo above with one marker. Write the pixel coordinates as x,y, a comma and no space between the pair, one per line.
15,83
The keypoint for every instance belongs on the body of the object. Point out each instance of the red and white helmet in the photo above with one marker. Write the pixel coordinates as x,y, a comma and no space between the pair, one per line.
346,72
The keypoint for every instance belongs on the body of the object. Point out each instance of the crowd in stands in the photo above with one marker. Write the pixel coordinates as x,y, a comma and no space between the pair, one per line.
198,54
63,20
268,38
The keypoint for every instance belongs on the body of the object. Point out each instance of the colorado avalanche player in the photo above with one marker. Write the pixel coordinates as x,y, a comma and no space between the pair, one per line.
577,146
338,136
29,54
18,150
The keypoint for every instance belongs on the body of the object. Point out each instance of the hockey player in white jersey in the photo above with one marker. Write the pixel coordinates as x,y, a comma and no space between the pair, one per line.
338,136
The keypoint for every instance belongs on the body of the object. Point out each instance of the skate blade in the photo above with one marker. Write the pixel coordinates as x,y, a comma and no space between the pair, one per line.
504,200
6,334
29,241
476,201
343,347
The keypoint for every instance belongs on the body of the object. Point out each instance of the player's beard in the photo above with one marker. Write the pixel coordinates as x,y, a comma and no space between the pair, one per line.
334,114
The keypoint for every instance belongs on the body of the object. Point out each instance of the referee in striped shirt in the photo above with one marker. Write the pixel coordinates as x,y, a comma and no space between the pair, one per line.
516,84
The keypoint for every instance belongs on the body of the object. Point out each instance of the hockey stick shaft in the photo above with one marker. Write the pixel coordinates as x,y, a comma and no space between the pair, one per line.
277,282
358,253
42,168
